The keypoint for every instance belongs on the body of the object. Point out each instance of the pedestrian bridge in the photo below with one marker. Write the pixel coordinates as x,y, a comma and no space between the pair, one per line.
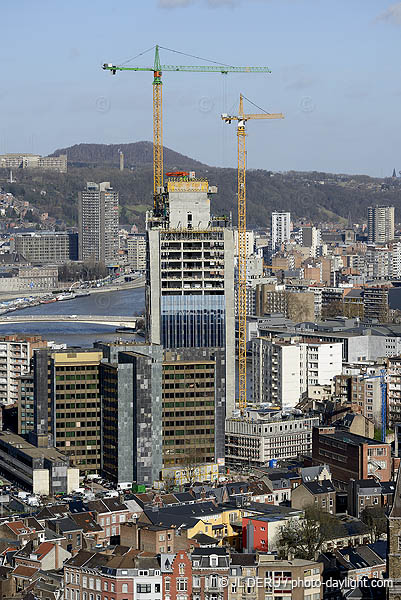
10,319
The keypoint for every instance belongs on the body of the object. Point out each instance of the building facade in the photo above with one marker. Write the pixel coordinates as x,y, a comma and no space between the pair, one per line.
254,442
280,228
131,393
43,246
190,282
380,224
67,403
98,207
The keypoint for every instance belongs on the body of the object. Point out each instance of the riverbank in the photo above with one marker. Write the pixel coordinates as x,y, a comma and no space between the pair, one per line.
137,283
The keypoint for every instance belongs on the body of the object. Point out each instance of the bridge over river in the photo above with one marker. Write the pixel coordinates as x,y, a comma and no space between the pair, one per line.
101,320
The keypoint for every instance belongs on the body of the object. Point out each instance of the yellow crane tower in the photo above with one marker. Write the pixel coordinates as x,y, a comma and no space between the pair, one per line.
157,69
242,118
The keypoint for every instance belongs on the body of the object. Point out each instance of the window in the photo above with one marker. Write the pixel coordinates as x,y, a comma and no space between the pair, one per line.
182,585
234,587
157,588
114,518
67,594
125,588
213,561
196,581
399,542
91,584
161,538
143,588
122,518
106,586
112,587
167,584
67,577
181,569
98,585
72,577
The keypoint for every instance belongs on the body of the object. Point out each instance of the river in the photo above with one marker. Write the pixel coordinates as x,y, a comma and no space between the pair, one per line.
125,303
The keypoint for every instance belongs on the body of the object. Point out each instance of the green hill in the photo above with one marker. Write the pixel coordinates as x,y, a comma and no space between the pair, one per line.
320,197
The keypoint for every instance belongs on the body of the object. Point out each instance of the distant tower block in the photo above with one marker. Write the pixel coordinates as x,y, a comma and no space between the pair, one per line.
11,180
121,161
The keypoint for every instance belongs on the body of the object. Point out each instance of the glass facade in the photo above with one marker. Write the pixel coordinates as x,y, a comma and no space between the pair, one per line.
193,321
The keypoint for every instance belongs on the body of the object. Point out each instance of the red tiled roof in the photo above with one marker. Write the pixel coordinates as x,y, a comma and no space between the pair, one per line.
17,527
43,549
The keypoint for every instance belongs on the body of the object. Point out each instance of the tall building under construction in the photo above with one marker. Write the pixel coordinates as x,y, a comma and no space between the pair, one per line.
190,285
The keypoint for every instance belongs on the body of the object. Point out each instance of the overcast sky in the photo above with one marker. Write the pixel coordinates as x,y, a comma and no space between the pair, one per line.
335,75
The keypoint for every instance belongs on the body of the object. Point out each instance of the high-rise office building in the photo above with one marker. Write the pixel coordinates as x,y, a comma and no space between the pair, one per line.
280,228
189,407
190,283
380,224
98,223
131,392
67,404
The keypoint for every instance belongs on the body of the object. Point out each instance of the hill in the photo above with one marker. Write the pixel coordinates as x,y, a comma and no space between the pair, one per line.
320,197
135,155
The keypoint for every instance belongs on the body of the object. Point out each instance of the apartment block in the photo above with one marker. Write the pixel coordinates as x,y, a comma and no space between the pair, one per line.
394,390
297,306
359,386
43,246
131,393
375,304
255,440
34,161
98,207
67,404
15,356
136,251
283,369
380,224
280,228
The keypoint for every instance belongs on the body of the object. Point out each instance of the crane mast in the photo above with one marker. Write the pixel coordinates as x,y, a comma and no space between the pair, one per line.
157,102
241,119
157,126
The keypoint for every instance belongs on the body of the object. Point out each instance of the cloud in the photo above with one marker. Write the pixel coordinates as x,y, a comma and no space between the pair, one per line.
391,15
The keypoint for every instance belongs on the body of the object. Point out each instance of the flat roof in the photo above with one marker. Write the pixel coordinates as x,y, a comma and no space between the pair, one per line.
16,441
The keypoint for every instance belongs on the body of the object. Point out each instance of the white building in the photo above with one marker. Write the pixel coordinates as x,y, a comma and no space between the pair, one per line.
255,441
282,370
250,242
378,262
320,363
280,228
380,224
136,251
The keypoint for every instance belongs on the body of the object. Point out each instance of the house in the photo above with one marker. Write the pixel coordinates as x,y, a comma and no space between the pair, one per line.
72,534
368,493
319,494
260,528
109,513
210,568
44,556
176,571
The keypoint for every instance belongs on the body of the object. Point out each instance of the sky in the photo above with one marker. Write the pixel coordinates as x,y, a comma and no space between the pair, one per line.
335,76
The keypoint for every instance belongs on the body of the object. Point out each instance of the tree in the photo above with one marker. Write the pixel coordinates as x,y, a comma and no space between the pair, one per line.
375,518
304,537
